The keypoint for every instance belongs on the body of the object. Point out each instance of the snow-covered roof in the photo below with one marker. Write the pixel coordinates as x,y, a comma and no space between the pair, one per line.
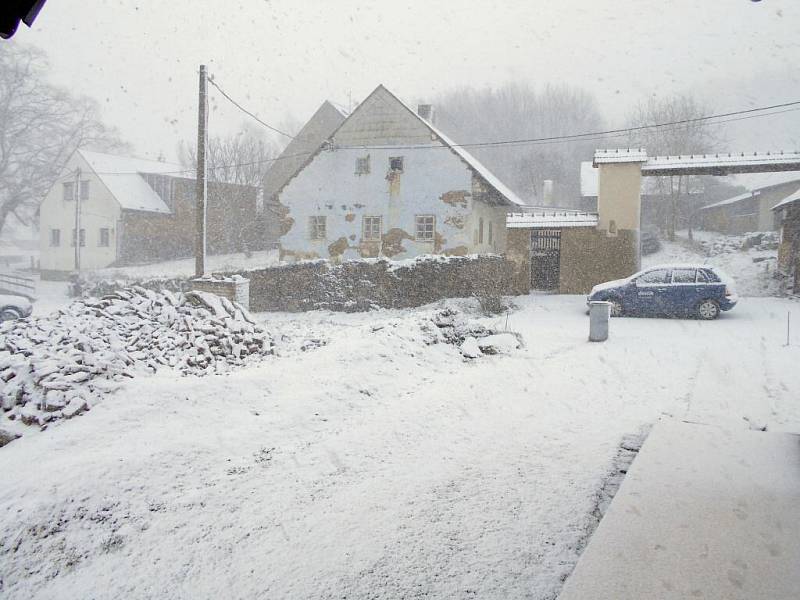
551,218
734,200
122,176
791,198
619,155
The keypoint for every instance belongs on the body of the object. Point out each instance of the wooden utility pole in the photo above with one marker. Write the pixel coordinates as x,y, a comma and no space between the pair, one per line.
202,137
76,192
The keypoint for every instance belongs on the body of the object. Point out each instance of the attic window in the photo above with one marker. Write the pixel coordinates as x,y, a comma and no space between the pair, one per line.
396,164
362,165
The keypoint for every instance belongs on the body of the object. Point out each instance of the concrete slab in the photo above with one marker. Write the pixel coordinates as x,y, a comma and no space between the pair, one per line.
704,513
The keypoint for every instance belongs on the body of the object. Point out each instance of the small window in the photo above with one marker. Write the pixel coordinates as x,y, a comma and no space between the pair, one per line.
84,189
653,277
83,238
104,237
316,228
612,227
362,165
490,232
69,193
480,230
396,164
55,238
683,275
372,227
425,228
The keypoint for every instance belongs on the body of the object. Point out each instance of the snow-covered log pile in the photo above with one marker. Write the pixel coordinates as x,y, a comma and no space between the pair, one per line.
56,366
472,339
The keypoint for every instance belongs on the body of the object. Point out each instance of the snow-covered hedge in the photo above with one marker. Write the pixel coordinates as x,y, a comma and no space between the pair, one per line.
55,366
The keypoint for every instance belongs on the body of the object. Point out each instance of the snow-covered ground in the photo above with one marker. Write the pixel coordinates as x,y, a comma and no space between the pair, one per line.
184,267
372,465
752,277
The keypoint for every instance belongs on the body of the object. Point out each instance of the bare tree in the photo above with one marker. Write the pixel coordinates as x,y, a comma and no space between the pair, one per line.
240,158
692,137
41,125
519,111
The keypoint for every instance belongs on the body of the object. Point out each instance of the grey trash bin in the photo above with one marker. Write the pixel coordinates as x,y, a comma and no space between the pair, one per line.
599,313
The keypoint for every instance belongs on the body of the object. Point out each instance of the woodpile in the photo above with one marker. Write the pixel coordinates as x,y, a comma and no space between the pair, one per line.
55,367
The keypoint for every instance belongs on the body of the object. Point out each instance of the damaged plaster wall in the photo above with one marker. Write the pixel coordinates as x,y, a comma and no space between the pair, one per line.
432,182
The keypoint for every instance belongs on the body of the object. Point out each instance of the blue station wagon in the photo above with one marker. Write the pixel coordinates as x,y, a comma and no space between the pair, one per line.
672,290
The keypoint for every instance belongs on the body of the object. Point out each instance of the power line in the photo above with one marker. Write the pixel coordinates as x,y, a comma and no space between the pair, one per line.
606,133
740,115
244,110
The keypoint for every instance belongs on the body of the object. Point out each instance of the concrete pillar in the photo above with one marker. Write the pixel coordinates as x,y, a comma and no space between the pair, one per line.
619,206
235,288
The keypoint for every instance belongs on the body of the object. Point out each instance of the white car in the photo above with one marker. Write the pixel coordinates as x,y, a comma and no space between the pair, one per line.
14,307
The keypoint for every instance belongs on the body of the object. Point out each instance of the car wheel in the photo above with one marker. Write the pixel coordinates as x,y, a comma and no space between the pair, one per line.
9,314
708,310
616,307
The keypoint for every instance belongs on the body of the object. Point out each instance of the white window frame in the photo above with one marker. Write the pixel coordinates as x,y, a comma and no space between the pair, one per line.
402,164
82,238
368,231
422,220
317,227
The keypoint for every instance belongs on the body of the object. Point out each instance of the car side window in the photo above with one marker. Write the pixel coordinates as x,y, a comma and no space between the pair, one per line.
653,277
683,275
701,276
712,277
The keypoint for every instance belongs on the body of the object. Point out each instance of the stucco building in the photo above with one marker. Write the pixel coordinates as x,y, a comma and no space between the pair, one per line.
388,183
751,210
134,210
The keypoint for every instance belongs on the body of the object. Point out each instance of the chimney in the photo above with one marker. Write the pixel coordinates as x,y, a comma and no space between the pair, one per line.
425,111
547,192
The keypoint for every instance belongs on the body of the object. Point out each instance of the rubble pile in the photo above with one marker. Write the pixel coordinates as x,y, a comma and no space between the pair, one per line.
55,367
472,339
761,240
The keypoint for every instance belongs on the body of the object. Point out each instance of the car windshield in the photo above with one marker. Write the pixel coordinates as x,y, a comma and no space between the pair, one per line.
377,299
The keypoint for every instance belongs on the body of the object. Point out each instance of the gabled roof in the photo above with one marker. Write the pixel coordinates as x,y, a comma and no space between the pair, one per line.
790,199
505,192
734,200
122,176
314,133
471,161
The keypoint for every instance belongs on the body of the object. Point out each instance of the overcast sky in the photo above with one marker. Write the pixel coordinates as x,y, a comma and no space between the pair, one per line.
284,57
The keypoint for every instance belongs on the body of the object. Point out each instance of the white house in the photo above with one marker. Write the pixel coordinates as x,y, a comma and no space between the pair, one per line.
388,183
107,187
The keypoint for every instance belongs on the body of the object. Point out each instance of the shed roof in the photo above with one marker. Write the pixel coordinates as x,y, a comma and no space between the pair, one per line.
122,176
734,200
790,199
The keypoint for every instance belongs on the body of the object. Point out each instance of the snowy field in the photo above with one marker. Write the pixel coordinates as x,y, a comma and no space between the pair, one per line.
185,267
372,465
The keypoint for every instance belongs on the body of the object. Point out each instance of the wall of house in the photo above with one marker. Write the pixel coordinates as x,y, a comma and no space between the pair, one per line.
100,210
231,224
789,249
433,182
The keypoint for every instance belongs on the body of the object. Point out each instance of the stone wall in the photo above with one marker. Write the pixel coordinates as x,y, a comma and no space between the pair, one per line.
589,257
363,284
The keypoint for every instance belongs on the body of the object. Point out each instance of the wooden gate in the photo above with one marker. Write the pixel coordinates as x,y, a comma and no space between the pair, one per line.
545,258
